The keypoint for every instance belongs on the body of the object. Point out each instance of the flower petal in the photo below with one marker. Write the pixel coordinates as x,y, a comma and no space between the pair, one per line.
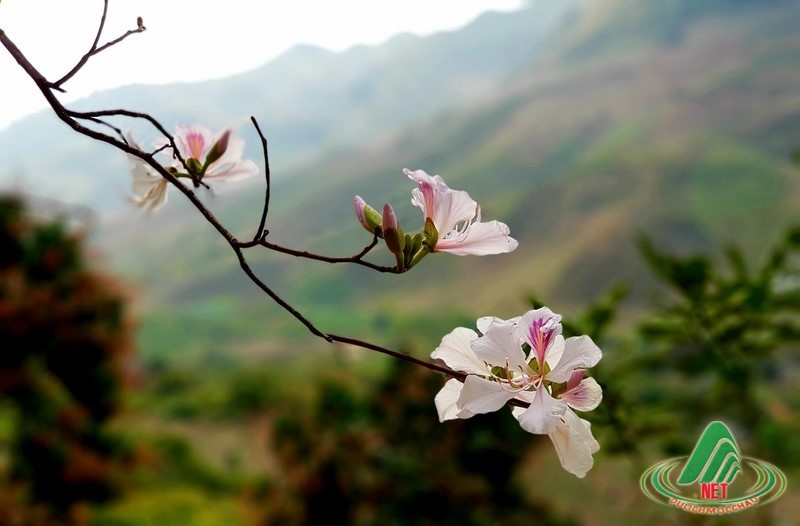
455,350
574,444
543,415
481,239
450,208
427,187
231,172
482,396
585,396
580,352
484,322
446,401
500,345
540,329
193,141
153,198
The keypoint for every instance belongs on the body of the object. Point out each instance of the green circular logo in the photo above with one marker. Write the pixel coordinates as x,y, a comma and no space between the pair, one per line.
715,479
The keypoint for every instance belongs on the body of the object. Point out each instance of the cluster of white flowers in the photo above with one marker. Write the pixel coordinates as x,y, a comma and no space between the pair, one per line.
526,359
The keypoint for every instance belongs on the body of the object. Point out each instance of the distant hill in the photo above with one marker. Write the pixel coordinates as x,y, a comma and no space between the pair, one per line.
309,100
659,117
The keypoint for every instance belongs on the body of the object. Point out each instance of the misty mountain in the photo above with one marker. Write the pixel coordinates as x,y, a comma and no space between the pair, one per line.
666,118
309,100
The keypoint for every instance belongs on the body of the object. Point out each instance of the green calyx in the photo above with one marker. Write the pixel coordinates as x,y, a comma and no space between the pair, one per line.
374,220
420,244
196,170
431,234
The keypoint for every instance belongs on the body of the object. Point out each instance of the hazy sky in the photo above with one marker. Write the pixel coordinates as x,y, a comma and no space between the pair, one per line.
190,40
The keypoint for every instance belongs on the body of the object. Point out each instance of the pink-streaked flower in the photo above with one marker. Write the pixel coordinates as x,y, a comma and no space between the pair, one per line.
149,190
550,378
217,158
457,218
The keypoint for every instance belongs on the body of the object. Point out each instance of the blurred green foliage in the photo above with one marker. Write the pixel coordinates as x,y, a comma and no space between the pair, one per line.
65,338
325,436
726,333
379,458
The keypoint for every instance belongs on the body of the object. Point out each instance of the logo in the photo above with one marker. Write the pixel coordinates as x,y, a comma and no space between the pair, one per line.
715,479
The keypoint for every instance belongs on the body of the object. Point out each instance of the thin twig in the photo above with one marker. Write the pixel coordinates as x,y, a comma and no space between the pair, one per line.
263,286
136,115
396,354
357,258
94,50
261,233
104,123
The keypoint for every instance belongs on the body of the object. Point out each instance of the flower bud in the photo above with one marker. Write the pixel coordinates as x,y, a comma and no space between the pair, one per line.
218,148
389,217
369,218
393,235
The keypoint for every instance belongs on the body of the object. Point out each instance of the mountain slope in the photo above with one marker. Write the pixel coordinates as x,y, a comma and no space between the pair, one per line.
308,100
685,138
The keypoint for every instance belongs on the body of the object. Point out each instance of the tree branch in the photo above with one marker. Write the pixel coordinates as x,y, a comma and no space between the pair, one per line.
71,119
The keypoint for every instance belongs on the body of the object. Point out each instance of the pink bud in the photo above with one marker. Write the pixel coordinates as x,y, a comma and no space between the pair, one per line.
222,143
218,148
369,218
389,217
360,206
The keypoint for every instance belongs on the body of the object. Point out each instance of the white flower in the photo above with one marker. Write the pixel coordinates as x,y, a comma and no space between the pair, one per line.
457,218
206,158
149,190
550,379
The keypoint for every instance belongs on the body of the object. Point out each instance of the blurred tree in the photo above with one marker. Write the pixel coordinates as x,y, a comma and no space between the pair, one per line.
722,338
714,347
384,459
65,336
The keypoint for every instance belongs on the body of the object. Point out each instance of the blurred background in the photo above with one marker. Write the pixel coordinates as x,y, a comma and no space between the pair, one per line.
645,155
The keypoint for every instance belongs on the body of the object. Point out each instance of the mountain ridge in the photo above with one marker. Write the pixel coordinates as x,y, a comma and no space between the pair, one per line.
686,139
308,100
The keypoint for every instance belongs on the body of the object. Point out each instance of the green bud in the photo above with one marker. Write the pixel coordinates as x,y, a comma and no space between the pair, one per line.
413,245
418,255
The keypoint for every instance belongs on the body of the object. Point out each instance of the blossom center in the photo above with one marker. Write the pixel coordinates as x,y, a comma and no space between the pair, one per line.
541,334
196,145
510,380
